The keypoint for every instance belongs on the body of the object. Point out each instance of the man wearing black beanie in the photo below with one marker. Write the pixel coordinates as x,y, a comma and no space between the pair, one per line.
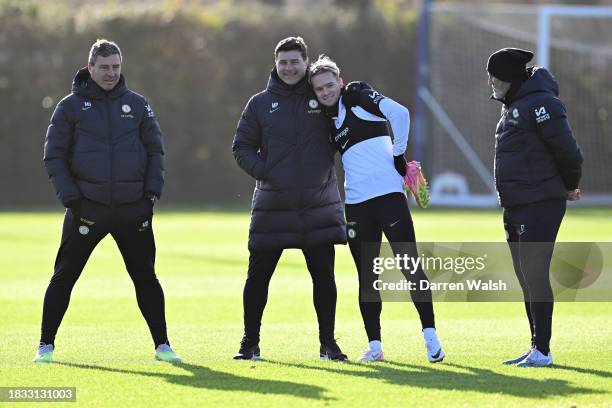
537,168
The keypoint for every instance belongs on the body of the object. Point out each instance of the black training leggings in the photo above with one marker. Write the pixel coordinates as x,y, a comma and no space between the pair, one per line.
531,233
366,223
320,263
130,226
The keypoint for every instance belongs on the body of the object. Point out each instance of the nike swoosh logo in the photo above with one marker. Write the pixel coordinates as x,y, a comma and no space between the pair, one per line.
274,110
89,107
437,354
344,144
394,223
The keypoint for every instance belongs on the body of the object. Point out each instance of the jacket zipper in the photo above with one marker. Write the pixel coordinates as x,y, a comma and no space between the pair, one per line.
296,108
110,149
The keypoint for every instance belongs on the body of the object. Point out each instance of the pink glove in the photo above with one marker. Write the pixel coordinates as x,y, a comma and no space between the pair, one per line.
416,183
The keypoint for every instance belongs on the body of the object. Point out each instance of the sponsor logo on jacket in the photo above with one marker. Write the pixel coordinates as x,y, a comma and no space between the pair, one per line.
375,96
150,112
342,135
541,114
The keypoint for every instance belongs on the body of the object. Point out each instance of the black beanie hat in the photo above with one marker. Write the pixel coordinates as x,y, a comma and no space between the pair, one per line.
509,64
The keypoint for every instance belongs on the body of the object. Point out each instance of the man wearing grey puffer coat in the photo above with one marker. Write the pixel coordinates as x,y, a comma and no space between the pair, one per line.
282,141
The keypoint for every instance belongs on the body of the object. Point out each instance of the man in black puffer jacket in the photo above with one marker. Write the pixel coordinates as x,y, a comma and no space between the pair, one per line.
105,157
537,168
282,141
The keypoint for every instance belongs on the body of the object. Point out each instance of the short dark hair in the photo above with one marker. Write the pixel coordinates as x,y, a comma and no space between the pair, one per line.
103,48
292,44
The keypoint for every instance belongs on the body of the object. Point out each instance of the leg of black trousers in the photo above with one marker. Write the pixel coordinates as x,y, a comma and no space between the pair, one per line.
133,233
78,241
320,262
543,220
512,237
364,237
255,295
399,230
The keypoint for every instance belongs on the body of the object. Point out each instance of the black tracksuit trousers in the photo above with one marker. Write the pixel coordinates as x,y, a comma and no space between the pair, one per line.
531,231
366,223
320,263
130,225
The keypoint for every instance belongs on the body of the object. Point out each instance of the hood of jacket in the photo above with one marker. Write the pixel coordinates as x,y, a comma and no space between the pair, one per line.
83,85
540,80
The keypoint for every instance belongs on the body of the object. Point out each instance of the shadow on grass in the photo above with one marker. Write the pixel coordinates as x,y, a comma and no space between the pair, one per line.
206,378
589,371
468,379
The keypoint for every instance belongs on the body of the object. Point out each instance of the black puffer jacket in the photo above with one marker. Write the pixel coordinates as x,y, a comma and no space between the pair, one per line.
536,155
282,140
105,146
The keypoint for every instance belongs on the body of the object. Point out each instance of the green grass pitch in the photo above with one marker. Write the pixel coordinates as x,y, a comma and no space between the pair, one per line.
104,348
